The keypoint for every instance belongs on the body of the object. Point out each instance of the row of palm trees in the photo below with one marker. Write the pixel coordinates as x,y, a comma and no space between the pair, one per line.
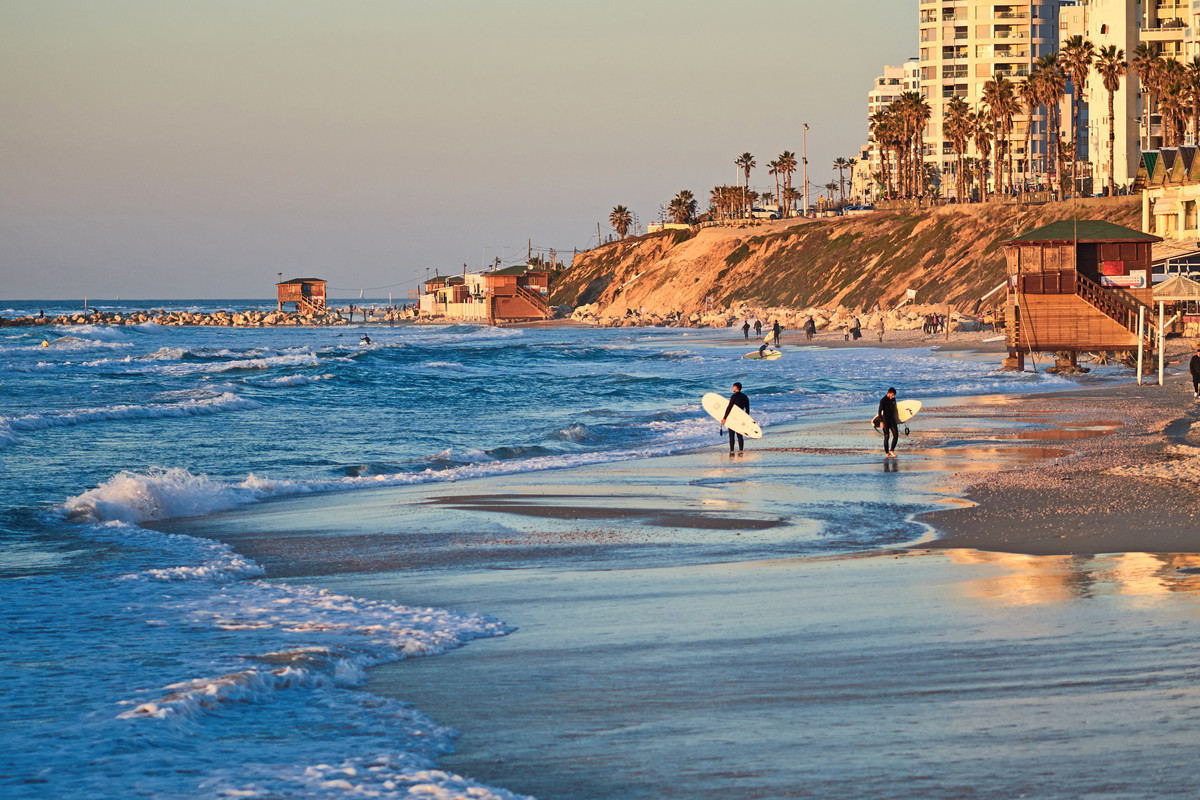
898,130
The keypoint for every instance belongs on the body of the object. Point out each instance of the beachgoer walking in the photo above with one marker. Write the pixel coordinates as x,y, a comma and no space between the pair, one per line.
746,328
741,401
888,418
854,330
810,328
879,327
1194,367
757,328
777,329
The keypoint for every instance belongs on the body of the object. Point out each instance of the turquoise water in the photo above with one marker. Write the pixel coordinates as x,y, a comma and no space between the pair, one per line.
155,664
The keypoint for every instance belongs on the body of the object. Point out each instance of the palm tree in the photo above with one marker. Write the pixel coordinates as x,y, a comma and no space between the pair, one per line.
831,187
682,207
1053,82
840,164
1174,101
1000,98
1029,93
787,166
620,219
1077,54
879,124
747,163
916,112
958,132
982,136
775,172
1145,63
1111,66
1193,87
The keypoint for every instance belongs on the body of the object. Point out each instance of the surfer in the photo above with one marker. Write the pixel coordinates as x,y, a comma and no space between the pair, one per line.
746,328
741,401
777,329
1194,368
757,328
889,418
366,339
762,350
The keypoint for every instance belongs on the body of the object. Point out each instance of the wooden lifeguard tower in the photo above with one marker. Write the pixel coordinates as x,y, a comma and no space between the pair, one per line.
1077,286
307,293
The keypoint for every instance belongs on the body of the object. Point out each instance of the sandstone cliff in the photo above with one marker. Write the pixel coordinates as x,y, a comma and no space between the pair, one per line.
948,255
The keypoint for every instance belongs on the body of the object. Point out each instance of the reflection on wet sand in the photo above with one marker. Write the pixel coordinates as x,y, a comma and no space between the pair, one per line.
1049,580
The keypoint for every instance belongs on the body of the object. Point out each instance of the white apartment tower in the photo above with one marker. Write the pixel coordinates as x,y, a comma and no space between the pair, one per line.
966,43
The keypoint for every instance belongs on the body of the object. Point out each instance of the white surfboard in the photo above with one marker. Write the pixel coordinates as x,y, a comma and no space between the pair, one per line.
738,421
905,410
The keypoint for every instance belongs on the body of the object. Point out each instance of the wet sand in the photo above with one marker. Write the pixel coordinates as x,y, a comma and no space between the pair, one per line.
680,634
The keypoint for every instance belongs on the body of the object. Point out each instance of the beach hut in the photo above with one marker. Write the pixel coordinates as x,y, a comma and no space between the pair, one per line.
307,293
1077,286
518,294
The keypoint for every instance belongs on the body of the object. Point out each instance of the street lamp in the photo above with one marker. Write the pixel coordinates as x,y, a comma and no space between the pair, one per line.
804,158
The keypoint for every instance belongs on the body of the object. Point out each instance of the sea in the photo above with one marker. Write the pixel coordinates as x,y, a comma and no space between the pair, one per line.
146,664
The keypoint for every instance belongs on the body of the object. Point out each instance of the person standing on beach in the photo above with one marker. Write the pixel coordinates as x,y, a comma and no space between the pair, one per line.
777,329
757,328
1194,367
879,326
889,419
741,401
810,328
746,328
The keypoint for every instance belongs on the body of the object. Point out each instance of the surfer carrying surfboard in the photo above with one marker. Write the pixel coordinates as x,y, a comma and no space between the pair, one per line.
741,401
889,419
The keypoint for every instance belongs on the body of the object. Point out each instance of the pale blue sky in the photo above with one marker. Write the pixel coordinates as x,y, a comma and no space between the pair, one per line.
162,148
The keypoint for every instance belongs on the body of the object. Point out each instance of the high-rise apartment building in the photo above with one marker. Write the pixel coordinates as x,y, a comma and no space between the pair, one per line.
966,43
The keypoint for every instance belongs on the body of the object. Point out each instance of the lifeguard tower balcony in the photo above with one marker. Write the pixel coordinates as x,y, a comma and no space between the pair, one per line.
307,293
1077,286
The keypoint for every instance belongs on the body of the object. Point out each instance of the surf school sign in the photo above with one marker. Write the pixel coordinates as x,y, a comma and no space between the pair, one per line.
1136,280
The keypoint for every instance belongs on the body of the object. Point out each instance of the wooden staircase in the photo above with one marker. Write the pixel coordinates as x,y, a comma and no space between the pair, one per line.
1118,305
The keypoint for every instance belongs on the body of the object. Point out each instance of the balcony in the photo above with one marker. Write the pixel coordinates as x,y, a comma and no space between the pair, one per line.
955,71
1010,15
1012,54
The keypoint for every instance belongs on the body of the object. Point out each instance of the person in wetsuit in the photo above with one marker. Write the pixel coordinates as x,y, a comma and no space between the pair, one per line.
741,401
889,419
1194,368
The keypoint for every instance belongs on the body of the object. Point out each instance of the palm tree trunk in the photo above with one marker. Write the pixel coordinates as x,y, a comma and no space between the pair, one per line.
1112,136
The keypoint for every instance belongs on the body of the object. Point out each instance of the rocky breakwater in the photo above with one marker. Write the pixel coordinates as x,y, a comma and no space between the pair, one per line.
836,319
235,319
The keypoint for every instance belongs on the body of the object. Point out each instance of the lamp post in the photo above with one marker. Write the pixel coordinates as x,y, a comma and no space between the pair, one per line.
804,158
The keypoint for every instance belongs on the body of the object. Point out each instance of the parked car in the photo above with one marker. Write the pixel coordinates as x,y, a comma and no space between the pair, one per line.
764,212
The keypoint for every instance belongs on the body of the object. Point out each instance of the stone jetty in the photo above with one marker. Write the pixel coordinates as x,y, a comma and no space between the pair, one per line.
234,319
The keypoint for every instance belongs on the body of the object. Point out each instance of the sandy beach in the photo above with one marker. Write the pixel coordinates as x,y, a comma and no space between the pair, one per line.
1028,631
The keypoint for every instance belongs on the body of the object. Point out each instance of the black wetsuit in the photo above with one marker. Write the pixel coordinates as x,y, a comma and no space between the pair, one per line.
741,401
1194,366
889,417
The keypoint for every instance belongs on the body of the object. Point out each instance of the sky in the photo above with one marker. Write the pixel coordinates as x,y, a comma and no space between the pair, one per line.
184,149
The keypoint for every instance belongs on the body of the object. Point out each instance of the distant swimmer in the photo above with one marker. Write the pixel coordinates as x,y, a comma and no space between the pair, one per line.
741,401
366,339
45,343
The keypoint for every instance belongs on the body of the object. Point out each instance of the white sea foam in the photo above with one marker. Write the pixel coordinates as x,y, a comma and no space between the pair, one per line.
80,416
290,380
